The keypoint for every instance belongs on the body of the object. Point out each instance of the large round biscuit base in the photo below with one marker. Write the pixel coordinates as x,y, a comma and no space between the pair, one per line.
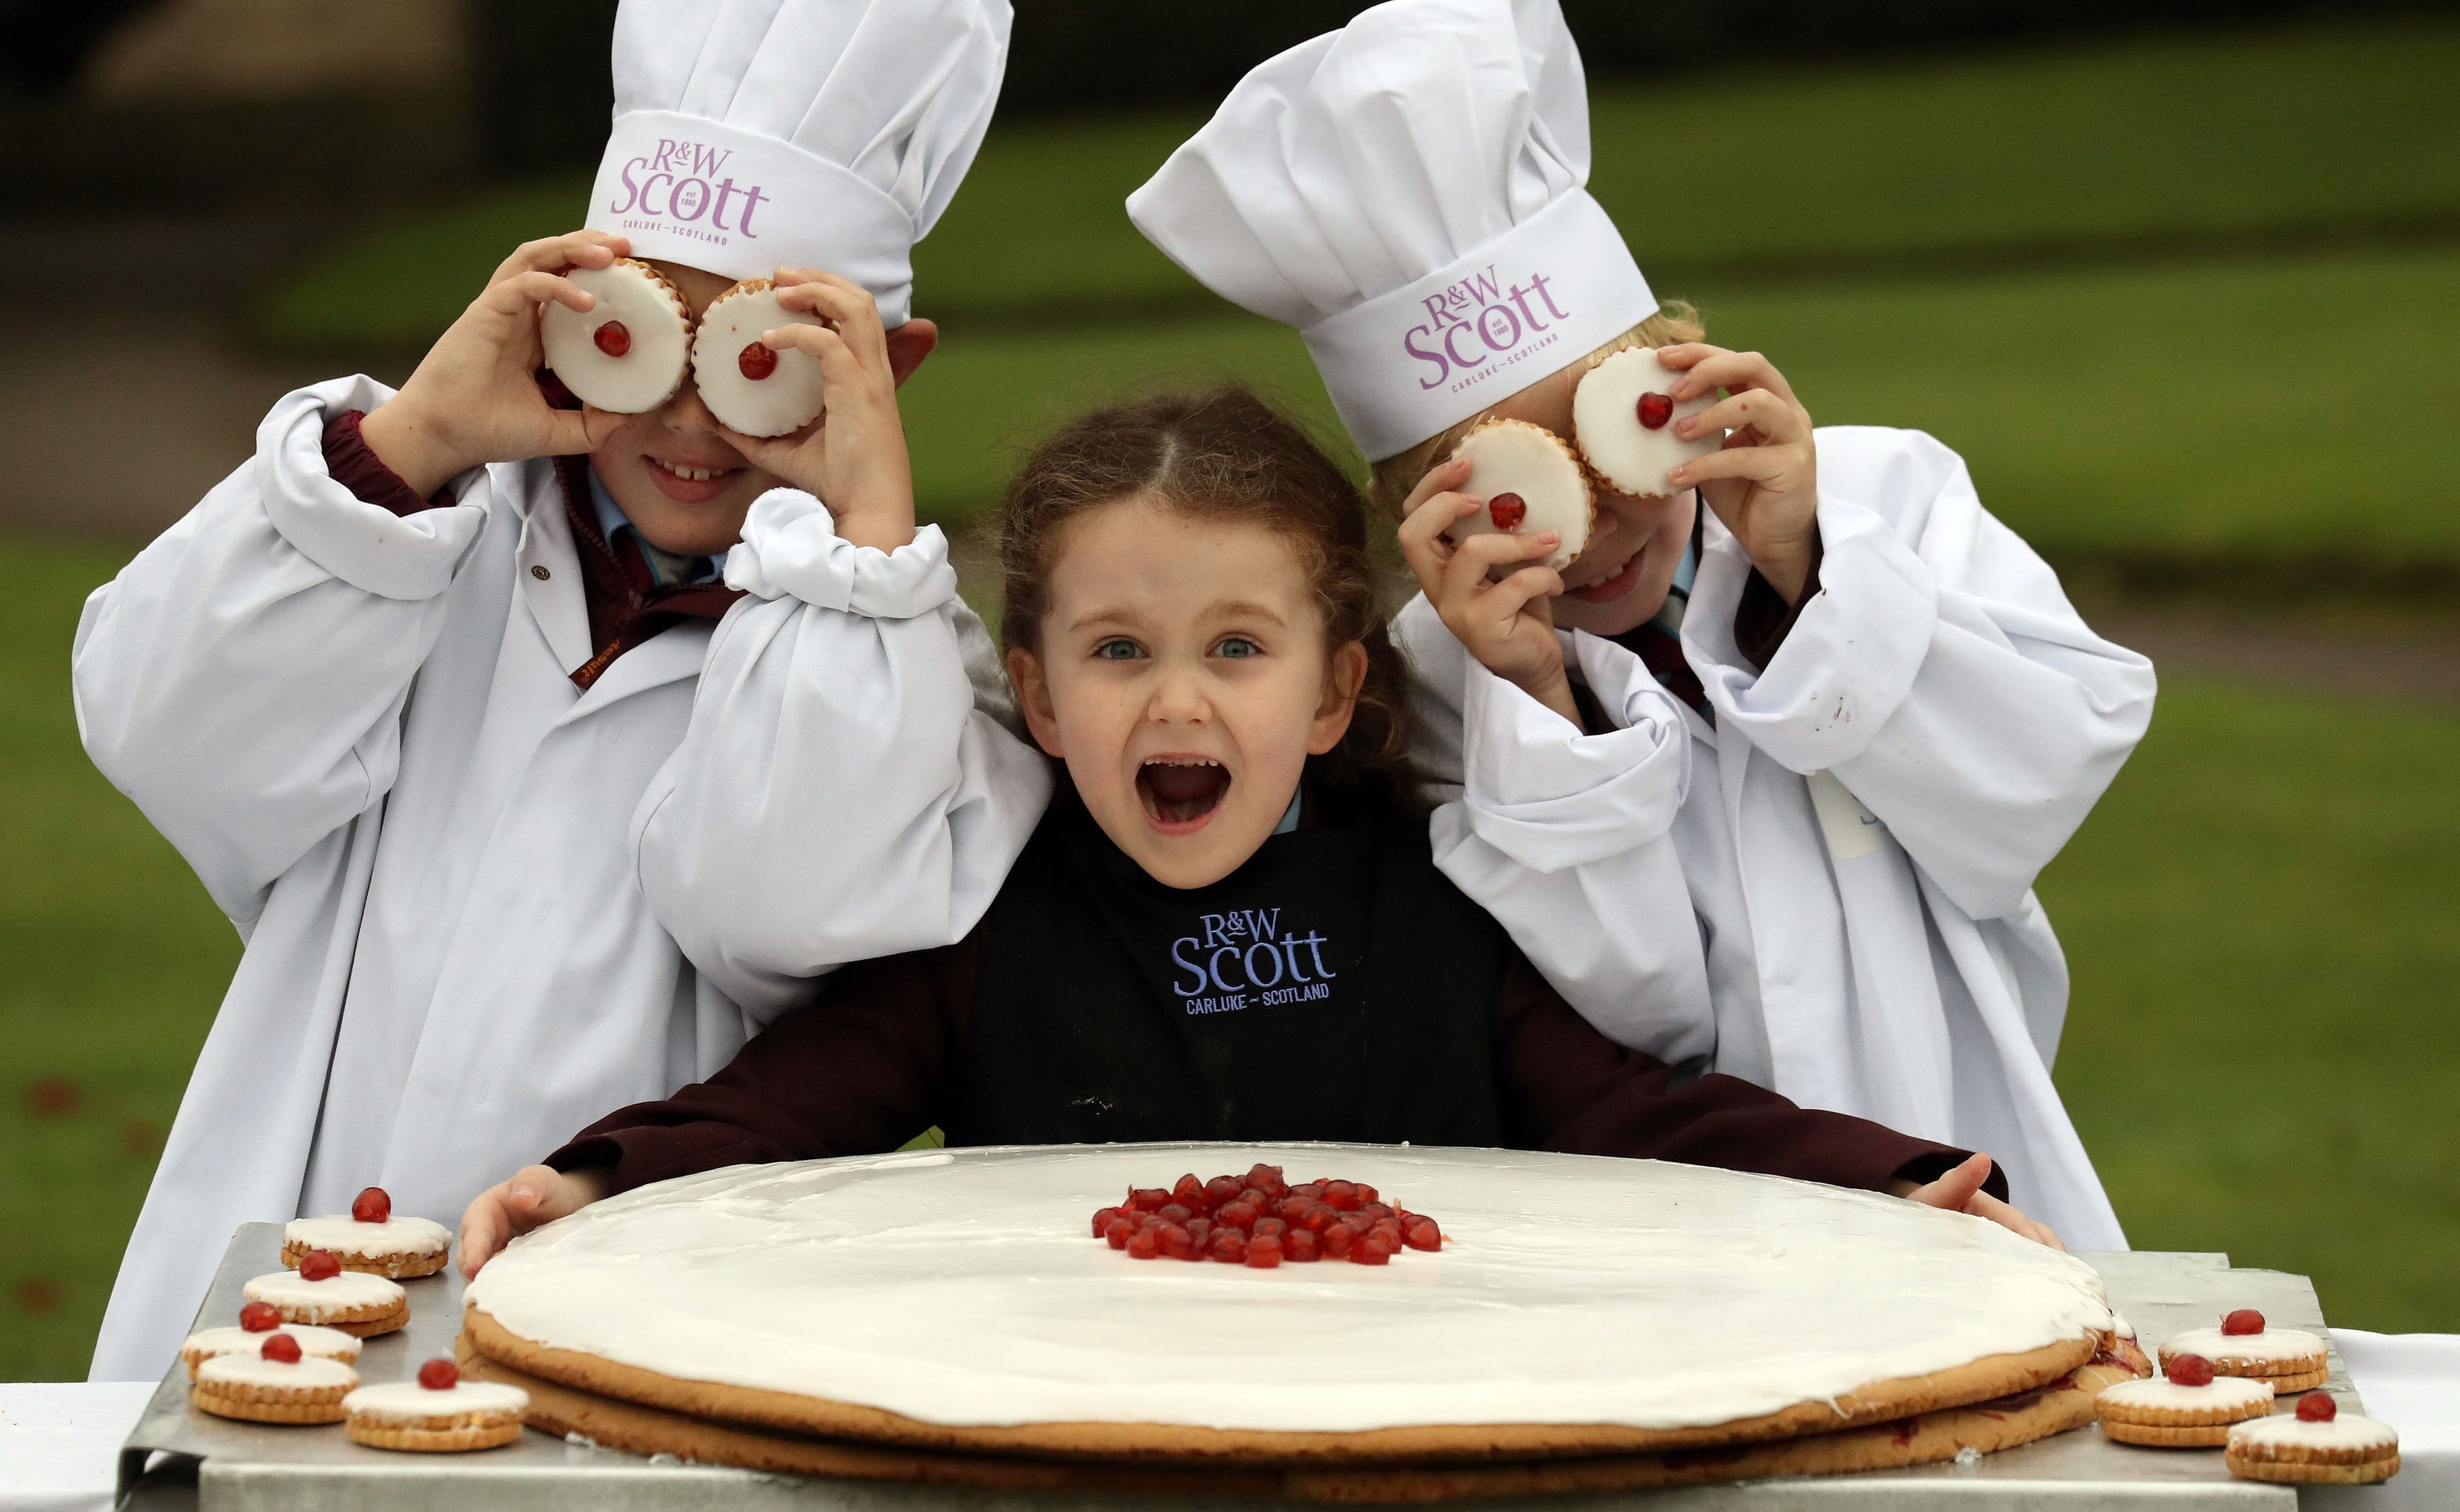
1924,1439
1529,461
957,1299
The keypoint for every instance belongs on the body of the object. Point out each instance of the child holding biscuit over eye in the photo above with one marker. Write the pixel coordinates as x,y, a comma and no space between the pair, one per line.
1754,734
397,687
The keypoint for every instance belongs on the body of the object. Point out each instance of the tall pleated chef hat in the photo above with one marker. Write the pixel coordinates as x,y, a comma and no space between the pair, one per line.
751,134
1409,193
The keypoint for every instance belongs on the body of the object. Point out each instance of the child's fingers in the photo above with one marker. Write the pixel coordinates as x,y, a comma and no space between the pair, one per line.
840,369
2014,1219
1758,464
1504,601
1732,370
1775,418
1473,560
522,292
1954,1188
1683,356
483,1230
1442,478
852,310
1422,531
590,249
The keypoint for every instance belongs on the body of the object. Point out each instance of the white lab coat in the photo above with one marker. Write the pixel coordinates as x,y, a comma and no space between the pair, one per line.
359,730
1849,916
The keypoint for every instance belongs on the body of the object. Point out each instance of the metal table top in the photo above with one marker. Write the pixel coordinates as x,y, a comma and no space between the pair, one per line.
218,1465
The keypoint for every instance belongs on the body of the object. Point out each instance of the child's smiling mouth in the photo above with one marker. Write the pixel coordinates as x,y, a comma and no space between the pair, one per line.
1180,793
687,484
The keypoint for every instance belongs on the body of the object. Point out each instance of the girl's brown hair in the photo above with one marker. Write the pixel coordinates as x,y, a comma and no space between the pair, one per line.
1223,454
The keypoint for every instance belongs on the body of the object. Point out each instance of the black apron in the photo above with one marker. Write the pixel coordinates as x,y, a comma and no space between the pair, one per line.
1335,987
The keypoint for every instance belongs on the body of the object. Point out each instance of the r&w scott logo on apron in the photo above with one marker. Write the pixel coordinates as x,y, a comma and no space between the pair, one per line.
1244,958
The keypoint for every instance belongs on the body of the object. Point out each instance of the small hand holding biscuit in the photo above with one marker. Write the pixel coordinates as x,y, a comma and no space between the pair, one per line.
1960,1191
533,1195
475,398
853,458
1765,484
1508,625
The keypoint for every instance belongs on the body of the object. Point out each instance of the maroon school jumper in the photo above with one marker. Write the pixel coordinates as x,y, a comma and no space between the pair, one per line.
1093,1004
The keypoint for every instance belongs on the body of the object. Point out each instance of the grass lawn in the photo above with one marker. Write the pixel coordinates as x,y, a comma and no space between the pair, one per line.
2142,140
2263,1042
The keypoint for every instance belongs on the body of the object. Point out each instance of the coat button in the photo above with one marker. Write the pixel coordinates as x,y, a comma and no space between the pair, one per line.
541,574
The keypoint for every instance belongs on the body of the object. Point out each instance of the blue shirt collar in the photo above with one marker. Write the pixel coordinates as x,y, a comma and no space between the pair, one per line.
664,565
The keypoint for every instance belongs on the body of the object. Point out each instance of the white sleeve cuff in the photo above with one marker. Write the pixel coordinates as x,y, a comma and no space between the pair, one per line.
1552,798
790,549
1847,662
368,546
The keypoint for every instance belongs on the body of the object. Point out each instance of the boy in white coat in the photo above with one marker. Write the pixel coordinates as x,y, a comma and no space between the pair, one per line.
396,688
1805,840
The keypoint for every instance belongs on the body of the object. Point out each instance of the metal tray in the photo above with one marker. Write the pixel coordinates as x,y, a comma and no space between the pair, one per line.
223,1466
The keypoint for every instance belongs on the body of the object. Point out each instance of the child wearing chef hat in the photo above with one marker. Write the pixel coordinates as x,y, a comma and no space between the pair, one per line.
1781,769
397,686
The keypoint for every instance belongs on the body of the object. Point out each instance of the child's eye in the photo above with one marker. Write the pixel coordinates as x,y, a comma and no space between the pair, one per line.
1117,650
1238,647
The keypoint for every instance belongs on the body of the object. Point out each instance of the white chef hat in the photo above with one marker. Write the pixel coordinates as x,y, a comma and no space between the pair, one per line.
751,134
1408,192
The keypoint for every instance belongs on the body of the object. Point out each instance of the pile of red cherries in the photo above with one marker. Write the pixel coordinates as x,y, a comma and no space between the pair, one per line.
1261,1220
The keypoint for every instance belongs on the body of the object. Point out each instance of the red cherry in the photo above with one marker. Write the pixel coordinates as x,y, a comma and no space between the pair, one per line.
1221,1190
1145,1245
1266,1179
1264,1253
1373,1249
1423,1234
1147,1199
1377,1209
2245,1320
1298,1246
1267,1229
2317,1407
1341,1196
259,1318
1292,1208
440,1375
1334,1242
757,361
1121,1232
1235,1214
1507,511
1256,1197
1229,1247
2191,1370
1176,1212
1367,1195
1200,1232
280,1348
1318,1217
1102,1217
1189,1194
1174,1241
612,339
371,1205
1655,409
319,1265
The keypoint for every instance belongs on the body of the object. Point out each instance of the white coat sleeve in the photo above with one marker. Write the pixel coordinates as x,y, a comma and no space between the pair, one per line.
1566,838
848,786
1940,673
243,680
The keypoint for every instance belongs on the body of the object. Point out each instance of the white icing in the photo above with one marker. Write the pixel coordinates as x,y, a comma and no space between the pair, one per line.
346,1235
2272,1346
655,318
1632,459
330,1343
2341,1432
2227,1392
787,398
401,1401
310,1373
965,1287
346,1292
1512,457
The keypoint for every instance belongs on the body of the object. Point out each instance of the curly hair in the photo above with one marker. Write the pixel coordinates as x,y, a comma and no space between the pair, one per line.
1223,454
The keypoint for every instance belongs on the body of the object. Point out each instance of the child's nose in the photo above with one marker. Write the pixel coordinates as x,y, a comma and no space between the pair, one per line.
685,411
1179,698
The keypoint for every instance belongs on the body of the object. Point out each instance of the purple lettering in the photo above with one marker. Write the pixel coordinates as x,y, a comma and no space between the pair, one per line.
666,153
1434,304
752,198
699,192
717,212
649,183
1484,285
1220,981
1314,942
632,191
1410,344
1486,328
1521,300
1539,282
1272,958
1454,352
